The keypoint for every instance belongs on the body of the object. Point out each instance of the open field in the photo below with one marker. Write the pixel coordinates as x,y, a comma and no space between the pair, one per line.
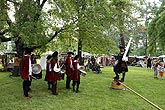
95,93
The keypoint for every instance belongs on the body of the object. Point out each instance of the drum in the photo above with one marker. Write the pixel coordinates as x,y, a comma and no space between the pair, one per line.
36,71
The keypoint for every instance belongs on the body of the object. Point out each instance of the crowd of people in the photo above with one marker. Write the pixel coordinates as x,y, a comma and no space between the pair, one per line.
54,68
53,72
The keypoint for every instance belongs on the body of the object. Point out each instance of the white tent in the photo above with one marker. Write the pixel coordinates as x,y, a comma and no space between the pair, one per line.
162,56
43,62
43,59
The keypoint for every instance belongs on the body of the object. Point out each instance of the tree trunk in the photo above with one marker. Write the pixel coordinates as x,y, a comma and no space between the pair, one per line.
19,46
122,42
80,51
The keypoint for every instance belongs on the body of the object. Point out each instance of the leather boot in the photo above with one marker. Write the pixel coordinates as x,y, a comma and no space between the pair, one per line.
54,92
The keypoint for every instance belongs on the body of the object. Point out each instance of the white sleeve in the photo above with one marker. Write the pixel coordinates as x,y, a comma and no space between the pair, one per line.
71,66
78,66
50,68
56,69
30,67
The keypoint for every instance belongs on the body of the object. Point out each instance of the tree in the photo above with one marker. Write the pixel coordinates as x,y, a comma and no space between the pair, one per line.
30,27
156,31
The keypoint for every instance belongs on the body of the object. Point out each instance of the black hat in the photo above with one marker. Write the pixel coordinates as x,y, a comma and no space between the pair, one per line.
76,57
28,50
55,54
48,57
121,47
70,53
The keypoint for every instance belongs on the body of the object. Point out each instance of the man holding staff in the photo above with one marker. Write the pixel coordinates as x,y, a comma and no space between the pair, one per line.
121,66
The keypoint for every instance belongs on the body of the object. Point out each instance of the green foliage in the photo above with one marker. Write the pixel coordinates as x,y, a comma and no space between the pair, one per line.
156,30
95,93
97,23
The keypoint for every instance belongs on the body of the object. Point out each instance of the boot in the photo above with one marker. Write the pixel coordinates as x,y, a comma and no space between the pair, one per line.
122,79
54,92
73,86
116,77
49,83
77,89
68,82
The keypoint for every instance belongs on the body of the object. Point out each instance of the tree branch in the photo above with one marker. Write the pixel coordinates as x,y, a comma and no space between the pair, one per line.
3,32
3,39
55,35
42,4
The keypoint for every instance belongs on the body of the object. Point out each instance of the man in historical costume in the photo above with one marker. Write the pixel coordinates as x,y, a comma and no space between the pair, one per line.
26,71
69,68
76,74
121,66
48,70
16,69
55,72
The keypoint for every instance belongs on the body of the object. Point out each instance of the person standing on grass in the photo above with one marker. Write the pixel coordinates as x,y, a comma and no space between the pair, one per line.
149,62
69,68
55,72
26,72
121,65
155,67
161,70
48,70
76,74
16,69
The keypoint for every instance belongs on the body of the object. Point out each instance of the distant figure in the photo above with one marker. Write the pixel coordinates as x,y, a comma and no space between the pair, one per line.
161,70
16,70
155,67
149,62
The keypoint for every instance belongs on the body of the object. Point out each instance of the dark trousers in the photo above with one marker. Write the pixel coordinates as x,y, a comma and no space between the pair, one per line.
117,76
74,84
54,88
49,84
26,87
68,82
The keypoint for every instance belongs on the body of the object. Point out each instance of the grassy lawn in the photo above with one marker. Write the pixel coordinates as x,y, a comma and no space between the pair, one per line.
95,93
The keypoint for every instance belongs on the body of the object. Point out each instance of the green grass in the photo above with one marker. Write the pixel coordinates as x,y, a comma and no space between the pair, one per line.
95,93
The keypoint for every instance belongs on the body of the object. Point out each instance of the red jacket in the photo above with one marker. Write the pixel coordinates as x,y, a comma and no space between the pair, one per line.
25,68
76,73
48,69
68,63
52,75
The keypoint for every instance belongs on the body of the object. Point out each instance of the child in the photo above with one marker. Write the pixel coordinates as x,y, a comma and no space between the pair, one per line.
161,70
155,67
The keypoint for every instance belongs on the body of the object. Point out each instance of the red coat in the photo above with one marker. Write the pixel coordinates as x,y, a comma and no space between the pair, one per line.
47,70
68,69
52,75
76,73
25,68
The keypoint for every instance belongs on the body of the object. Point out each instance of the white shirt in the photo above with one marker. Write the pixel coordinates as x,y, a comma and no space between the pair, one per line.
56,69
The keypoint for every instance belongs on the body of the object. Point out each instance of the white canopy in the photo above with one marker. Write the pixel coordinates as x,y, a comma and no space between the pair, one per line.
162,56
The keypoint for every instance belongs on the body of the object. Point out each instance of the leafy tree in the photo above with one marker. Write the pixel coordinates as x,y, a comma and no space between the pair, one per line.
156,31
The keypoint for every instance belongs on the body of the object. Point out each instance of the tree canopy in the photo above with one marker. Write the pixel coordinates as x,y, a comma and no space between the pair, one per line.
61,24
